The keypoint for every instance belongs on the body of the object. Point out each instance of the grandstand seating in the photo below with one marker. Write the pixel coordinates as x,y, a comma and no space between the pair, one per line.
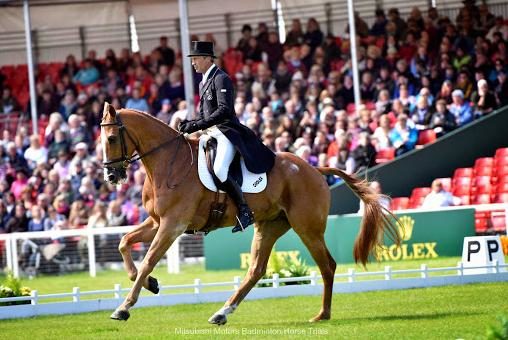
484,183
417,196
385,155
426,137
400,203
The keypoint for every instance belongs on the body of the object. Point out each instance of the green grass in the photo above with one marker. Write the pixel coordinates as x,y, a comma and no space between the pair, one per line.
452,312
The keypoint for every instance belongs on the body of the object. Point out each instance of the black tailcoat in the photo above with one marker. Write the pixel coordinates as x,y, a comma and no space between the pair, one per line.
216,108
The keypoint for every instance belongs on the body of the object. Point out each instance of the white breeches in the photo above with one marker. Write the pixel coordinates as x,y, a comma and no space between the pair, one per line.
225,153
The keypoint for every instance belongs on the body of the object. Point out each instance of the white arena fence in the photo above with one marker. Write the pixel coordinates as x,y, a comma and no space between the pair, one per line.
57,251
351,282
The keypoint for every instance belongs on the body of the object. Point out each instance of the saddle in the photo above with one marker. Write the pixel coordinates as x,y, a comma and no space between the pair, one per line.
250,182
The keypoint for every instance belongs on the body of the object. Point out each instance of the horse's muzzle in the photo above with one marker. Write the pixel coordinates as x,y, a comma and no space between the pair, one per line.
115,175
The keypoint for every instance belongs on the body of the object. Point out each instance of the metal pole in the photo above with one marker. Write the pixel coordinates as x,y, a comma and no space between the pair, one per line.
82,43
229,33
276,16
328,14
30,62
354,60
187,69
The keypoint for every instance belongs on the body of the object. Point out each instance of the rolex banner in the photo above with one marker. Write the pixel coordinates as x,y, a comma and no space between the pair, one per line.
426,235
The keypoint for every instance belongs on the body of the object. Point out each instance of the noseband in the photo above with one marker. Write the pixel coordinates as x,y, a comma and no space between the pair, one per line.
125,159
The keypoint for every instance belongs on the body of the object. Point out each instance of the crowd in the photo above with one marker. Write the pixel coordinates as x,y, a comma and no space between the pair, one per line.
425,72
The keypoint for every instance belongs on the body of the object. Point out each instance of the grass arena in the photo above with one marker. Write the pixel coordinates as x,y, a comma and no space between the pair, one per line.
455,311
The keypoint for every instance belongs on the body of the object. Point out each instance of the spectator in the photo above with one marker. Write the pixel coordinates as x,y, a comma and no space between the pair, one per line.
60,146
364,154
381,135
36,222
243,43
403,137
8,103
116,217
18,223
136,102
442,121
87,75
378,29
460,108
438,197
484,100
166,52
4,217
166,111
54,220
35,154
313,36
295,36
77,131
78,216
422,113
273,49
19,185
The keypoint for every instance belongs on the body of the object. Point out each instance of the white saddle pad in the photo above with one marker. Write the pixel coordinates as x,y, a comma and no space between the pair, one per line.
252,183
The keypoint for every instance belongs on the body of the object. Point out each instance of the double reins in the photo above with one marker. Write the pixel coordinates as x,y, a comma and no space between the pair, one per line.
125,159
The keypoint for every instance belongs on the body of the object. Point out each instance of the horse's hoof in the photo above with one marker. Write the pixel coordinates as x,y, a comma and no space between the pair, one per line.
153,285
122,315
218,319
319,318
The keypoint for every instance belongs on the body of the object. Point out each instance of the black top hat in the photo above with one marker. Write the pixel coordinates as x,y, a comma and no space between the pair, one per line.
201,48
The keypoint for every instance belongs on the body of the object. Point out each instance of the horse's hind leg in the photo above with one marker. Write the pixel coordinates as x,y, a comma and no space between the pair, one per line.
311,231
265,235
145,232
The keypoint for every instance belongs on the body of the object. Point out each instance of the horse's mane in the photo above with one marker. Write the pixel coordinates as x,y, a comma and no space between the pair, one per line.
149,116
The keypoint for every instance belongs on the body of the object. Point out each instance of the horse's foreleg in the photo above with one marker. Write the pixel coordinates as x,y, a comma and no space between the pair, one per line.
265,235
145,232
165,236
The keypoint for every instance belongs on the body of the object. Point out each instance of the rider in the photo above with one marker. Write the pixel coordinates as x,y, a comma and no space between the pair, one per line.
218,119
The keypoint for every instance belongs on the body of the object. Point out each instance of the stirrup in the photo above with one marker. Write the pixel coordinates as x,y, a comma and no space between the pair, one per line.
241,227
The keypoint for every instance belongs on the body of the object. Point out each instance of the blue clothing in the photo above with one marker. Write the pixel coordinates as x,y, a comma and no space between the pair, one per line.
137,104
35,226
87,76
462,114
397,138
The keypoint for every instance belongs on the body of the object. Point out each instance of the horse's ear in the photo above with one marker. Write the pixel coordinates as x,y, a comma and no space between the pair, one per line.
108,108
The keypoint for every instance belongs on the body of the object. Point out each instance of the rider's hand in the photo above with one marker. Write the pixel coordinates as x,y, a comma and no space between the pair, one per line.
190,127
181,125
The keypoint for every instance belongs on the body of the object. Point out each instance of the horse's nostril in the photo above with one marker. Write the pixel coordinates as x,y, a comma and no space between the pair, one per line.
111,177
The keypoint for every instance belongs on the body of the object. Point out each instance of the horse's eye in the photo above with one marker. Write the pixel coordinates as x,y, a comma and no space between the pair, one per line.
112,139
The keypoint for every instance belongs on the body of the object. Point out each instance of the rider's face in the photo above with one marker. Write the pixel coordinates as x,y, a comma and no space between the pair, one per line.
201,64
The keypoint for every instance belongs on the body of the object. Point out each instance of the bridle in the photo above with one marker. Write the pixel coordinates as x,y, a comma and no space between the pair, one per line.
126,160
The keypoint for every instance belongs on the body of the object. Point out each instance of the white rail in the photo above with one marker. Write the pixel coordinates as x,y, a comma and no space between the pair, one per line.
384,280
12,253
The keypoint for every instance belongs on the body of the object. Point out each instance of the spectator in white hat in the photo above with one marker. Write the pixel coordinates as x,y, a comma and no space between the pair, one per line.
484,100
460,108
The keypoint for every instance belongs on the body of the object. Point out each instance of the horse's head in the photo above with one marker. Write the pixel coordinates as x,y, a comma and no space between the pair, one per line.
117,146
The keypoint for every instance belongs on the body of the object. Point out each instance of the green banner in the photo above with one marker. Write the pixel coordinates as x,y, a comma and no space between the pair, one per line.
427,235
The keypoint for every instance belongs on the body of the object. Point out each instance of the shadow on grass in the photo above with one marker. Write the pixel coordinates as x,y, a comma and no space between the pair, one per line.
355,320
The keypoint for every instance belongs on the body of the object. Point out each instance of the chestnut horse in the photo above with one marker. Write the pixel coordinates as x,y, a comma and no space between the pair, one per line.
297,196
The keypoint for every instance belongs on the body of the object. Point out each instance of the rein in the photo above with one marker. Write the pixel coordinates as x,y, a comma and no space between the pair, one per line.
126,160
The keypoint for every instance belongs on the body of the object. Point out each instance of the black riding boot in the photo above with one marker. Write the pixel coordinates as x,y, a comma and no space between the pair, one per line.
244,218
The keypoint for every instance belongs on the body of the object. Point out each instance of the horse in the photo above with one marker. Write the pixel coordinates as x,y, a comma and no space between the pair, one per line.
297,196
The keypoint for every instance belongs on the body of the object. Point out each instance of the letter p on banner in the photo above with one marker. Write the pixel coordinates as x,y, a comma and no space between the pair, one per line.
482,251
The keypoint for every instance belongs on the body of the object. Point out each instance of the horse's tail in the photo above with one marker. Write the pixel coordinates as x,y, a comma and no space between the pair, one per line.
376,219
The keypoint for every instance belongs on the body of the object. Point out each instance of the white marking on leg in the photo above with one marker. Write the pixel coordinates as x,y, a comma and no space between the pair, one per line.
226,310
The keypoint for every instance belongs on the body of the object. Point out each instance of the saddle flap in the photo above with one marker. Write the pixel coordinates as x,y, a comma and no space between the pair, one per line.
250,182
